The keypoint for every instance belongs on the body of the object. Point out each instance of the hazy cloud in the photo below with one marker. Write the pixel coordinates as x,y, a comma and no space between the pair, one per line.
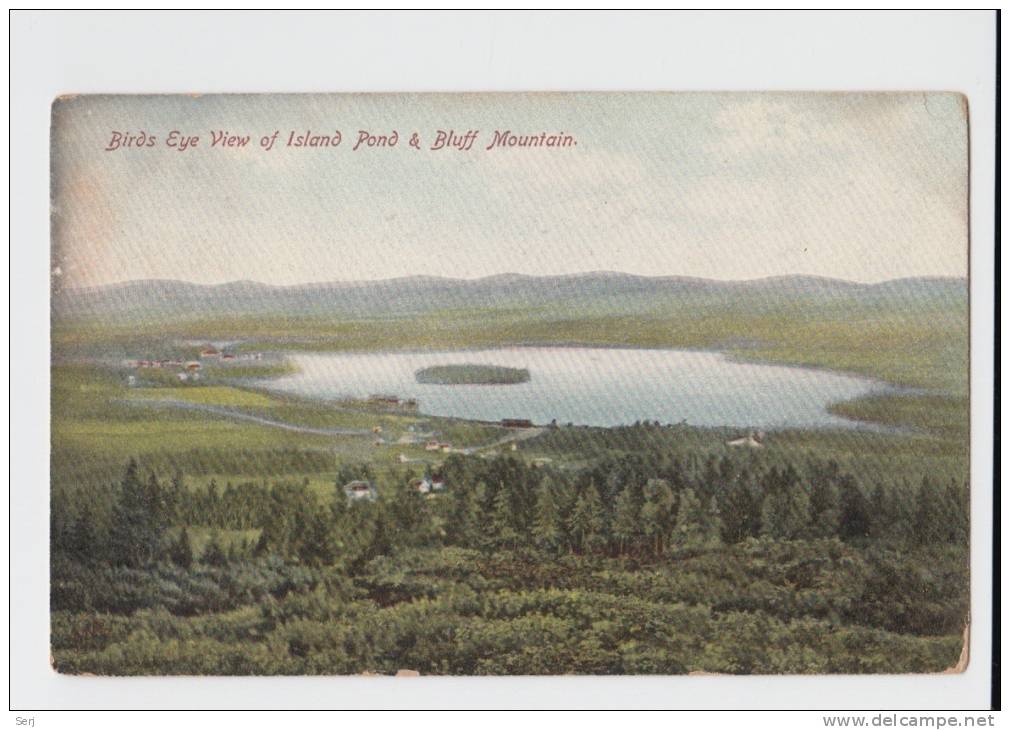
730,186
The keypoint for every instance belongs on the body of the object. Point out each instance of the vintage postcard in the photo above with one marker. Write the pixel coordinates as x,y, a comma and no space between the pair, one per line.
510,384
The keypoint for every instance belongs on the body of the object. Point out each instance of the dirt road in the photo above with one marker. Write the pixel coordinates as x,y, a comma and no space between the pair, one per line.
241,416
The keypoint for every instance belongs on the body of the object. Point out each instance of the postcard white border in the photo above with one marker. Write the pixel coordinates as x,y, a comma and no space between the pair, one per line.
59,52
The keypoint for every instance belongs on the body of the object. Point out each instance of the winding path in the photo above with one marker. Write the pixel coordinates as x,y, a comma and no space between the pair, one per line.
513,436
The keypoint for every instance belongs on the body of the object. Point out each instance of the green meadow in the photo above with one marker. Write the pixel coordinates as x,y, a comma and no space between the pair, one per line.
924,351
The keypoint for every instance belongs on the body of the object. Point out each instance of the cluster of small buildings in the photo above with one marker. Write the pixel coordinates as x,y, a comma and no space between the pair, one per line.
188,369
428,485
443,447
359,489
414,437
162,364
392,402
209,352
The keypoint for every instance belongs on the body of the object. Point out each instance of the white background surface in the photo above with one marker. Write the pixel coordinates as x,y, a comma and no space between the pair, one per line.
57,53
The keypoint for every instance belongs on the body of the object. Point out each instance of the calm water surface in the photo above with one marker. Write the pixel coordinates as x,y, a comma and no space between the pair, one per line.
593,386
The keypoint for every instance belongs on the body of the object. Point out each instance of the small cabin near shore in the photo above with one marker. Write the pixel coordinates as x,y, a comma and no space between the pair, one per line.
428,485
516,423
423,486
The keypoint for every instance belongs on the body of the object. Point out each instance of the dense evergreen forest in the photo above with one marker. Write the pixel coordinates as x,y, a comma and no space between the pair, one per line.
637,563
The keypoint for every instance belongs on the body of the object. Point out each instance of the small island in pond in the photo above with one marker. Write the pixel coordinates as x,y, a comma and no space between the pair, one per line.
471,374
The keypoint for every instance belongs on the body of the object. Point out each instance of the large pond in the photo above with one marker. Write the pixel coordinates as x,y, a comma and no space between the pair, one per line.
592,386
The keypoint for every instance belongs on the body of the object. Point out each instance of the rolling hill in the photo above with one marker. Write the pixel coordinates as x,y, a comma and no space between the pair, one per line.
596,294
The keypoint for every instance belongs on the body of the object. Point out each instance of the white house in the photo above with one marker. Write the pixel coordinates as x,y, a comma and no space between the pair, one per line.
360,489
421,485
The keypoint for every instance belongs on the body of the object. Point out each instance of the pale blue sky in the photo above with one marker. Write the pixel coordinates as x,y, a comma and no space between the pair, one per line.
730,186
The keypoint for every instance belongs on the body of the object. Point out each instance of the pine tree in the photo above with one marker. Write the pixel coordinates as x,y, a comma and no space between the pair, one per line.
320,545
277,530
230,518
587,521
657,513
627,520
262,548
697,525
181,552
741,513
502,532
409,512
212,505
175,500
903,505
213,554
785,513
825,507
956,507
565,497
381,539
464,516
83,539
713,523
929,518
157,499
855,514
711,481
340,508
547,533
596,535
883,512
135,537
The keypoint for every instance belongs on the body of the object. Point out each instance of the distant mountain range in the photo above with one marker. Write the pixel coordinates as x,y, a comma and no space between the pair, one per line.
595,292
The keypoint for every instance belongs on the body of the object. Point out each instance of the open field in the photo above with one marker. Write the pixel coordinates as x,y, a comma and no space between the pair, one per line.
918,342
925,350
909,333
211,395
98,422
